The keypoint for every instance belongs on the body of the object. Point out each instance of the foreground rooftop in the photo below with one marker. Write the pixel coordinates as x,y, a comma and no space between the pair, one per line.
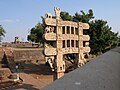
102,73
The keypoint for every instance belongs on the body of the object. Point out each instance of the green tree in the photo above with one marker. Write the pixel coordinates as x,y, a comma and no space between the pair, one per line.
102,38
2,32
66,16
119,40
83,17
36,34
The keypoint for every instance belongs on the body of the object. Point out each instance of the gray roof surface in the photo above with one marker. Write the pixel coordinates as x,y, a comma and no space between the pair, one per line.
102,73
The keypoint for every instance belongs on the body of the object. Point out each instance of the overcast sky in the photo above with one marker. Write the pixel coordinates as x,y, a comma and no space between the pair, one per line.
18,16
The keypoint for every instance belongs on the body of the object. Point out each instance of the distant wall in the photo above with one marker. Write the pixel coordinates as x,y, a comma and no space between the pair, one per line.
20,55
21,44
28,54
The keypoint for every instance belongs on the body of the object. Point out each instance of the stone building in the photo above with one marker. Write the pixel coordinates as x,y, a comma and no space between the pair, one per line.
17,40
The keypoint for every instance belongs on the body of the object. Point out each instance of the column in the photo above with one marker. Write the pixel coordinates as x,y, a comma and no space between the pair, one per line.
60,65
80,47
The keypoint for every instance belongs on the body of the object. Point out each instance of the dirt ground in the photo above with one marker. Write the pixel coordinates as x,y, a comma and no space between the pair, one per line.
40,71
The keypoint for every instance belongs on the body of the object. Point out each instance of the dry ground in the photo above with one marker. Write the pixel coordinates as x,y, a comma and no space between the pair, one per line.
41,72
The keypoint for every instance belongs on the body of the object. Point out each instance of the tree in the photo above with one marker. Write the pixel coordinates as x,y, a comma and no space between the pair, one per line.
2,32
36,34
66,16
119,40
83,17
102,38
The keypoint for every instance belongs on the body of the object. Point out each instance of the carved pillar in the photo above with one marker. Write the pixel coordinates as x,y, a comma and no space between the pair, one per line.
60,65
80,46
65,40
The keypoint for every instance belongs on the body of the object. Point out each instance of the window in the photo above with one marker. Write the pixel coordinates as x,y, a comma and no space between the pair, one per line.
63,30
68,43
63,44
72,30
77,44
72,43
76,31
68,30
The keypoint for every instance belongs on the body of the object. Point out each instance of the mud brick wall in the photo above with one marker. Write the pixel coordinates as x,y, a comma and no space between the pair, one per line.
24,54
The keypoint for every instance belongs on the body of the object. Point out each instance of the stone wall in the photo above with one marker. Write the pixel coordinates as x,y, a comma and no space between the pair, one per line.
28,54
23,54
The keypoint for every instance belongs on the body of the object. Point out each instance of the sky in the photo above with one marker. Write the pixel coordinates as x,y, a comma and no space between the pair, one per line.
18,16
